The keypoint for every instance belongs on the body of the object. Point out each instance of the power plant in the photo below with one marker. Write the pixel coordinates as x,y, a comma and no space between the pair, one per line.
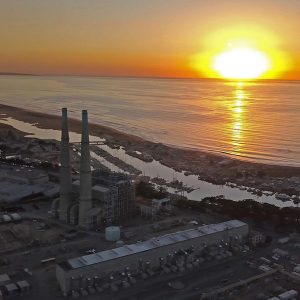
168,253
99,197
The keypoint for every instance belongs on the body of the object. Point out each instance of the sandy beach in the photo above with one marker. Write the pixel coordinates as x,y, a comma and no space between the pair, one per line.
209,167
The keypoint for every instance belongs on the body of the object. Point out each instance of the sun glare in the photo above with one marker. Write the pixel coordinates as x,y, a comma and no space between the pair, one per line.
240,52
243,63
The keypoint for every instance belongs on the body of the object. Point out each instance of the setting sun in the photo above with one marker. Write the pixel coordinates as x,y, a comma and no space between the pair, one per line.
241,63
241,52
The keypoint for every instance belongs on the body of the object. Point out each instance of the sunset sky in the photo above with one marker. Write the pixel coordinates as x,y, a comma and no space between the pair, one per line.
172,38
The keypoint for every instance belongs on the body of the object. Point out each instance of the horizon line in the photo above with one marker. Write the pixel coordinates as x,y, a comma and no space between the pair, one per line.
146,77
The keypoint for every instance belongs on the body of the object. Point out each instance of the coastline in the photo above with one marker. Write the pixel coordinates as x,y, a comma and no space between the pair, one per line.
5,128
210,167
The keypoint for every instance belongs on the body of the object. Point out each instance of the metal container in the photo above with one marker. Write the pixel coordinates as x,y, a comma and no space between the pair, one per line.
112,233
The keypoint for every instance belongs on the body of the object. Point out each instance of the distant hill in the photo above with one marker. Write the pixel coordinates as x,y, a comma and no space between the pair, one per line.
17,74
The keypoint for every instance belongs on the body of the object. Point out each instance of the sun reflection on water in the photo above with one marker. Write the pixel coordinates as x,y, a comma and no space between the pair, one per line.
237,112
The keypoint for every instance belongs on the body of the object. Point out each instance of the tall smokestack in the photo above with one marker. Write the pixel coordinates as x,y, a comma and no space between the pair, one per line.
65,169
85,198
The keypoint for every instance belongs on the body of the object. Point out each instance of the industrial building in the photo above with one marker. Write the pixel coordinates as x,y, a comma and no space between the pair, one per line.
151,208
113,194
98,197
9,289
75,272
19,182
14,217
117,195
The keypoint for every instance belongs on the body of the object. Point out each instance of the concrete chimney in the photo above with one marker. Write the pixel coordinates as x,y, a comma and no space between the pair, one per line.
65,170
85,197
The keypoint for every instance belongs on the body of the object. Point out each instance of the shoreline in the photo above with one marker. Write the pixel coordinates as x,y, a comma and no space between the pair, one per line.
209,167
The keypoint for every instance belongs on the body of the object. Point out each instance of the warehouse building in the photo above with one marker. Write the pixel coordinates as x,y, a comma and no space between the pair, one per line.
17,183
130,256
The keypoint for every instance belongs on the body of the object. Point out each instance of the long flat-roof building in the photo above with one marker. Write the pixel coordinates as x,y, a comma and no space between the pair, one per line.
129,256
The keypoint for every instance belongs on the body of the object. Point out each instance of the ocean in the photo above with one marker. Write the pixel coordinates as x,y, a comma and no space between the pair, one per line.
255,121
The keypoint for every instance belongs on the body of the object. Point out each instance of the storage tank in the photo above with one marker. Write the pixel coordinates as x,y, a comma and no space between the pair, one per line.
16,217
6,218
112,233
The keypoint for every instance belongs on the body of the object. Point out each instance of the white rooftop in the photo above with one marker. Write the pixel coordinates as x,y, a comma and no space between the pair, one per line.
100,188
23,284
11,287
6,218
153,243
16,216
161,200
76,182
4,278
